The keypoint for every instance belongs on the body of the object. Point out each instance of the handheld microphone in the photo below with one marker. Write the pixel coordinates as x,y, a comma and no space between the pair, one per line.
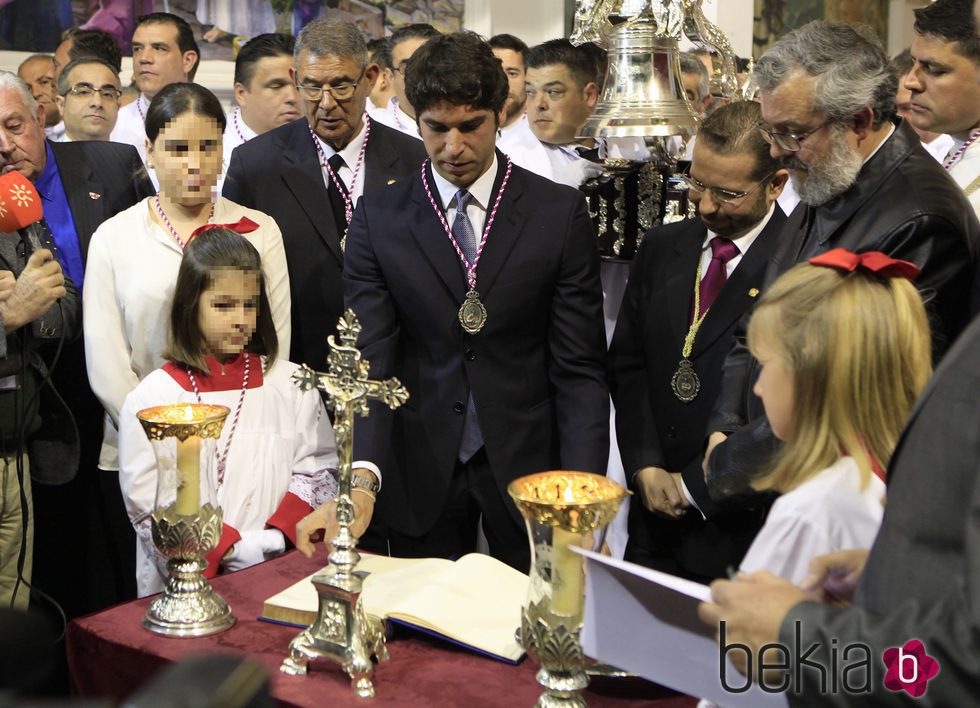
21,210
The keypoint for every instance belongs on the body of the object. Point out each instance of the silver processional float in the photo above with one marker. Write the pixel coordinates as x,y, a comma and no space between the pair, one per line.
643,97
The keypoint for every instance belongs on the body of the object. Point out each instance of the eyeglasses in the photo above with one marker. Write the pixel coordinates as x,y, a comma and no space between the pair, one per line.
790,142
722,196
340,92
108,92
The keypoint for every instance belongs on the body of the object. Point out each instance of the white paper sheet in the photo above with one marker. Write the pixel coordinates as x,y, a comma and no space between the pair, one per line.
646,622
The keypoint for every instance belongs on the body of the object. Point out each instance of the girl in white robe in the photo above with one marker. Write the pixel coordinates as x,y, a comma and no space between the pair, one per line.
276,449
844,348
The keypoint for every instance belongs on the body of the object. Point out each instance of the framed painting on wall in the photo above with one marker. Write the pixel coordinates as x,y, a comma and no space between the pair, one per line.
774,18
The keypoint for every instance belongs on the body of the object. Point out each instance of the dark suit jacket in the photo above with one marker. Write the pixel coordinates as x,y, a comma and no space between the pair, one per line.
36,410
922,579
536,370
903,204
100,180
279,173
653,426
113,172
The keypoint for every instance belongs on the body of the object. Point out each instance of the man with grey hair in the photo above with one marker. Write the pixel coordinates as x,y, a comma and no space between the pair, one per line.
37,71
329,158
80,185
828,106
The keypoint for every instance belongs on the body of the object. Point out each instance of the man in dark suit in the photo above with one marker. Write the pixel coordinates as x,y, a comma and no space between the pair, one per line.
309,184
866,184
662,405
81,527
505,360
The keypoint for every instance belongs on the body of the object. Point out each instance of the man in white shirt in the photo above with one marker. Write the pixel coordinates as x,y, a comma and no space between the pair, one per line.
383,89
88,96
164,52
404,41
264,92
562,91
945,86
37,71
936,144
511,52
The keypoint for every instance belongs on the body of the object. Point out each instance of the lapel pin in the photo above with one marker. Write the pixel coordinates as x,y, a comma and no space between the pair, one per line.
392,181
753,292
94,195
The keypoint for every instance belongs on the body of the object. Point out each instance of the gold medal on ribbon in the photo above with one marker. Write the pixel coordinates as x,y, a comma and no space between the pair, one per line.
685,383
472,313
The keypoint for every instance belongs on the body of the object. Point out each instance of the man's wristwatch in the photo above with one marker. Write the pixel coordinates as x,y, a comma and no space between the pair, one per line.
358,480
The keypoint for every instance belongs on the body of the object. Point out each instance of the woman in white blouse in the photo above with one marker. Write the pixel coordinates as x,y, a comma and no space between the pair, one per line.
134,257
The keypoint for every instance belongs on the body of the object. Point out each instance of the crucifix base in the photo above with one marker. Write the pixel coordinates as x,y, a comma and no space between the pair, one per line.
341,632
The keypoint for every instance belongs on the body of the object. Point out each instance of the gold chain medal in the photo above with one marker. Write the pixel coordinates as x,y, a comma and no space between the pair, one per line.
472,313
685,382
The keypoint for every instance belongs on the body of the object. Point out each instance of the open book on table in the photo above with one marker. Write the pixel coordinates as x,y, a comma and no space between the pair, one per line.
474,602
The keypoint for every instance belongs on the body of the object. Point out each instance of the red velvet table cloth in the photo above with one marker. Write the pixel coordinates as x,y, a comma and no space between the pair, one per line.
111,655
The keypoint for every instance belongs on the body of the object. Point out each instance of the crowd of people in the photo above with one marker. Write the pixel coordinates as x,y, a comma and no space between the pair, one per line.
761,375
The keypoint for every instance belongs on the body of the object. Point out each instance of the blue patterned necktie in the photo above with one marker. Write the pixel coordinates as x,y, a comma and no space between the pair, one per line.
472,439
463,227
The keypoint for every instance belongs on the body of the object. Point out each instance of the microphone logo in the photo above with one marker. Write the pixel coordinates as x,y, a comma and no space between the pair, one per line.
22,195
20,204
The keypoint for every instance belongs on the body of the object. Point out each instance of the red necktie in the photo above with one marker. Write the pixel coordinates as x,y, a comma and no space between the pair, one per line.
722,251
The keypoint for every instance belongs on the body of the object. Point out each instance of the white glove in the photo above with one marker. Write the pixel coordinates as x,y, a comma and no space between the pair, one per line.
255,547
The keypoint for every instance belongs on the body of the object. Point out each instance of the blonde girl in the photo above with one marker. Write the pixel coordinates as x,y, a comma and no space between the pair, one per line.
844,347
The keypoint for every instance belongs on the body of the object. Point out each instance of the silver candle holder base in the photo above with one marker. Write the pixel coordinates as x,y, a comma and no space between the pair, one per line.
189,606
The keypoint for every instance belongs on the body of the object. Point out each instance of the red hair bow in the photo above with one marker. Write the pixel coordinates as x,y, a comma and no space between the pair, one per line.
873,262
242,226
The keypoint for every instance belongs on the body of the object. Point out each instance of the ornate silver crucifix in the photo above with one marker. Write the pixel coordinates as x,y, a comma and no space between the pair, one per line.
341,631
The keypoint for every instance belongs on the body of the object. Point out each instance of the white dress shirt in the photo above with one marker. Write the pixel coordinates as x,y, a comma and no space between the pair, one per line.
131,129
743,243
940,147
131,125
394,117
966,172
56,133
351,152
236,133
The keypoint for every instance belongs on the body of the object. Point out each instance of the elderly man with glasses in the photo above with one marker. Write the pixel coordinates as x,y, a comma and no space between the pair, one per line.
309,174
77,518
867,184
88,96
690,284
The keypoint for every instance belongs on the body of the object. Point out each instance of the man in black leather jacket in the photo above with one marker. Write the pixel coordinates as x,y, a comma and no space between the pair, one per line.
866,184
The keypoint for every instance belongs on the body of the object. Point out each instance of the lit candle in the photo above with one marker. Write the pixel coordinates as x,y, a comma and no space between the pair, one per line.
188,475
567,574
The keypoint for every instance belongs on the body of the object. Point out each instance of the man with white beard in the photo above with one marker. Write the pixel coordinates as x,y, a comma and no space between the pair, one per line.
867,184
